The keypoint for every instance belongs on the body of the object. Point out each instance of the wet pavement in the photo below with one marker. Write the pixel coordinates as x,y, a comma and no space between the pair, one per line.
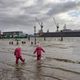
60,62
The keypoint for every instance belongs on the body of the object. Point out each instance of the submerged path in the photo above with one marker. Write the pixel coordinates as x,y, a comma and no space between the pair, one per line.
54,65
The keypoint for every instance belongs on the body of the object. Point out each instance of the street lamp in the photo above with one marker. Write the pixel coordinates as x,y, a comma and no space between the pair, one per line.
61,35
34,34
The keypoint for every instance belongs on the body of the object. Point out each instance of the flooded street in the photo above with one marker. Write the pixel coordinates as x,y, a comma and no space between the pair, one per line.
61,61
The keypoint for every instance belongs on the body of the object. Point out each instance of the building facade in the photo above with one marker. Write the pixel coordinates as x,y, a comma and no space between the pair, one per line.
14,34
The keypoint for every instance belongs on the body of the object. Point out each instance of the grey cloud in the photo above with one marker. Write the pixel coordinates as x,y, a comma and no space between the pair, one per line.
20,20
61,7
27,19
53,9
78,4
9,3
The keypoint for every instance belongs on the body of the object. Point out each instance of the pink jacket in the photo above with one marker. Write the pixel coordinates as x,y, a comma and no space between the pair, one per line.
39,51
17,52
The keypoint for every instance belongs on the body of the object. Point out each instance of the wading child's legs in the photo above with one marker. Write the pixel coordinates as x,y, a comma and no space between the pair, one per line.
17,59
23,60
38,57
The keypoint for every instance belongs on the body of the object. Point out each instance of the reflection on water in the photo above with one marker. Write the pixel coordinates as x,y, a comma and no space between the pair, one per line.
38,69
18,73
60,58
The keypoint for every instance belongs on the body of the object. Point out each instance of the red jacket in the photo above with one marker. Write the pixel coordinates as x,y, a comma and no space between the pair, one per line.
39,51
17,52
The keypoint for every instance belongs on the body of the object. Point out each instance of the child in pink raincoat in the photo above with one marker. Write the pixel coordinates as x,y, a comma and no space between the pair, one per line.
18,54
38,52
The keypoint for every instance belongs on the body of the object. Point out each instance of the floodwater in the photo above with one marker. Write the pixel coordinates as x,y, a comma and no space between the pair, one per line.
60,62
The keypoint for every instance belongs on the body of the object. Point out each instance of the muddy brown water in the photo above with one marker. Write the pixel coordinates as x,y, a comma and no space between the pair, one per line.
60,62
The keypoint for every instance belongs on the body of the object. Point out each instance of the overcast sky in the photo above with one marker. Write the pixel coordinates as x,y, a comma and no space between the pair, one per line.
20,14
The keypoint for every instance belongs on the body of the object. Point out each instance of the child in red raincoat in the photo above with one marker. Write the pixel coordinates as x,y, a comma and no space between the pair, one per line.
39,51
18,54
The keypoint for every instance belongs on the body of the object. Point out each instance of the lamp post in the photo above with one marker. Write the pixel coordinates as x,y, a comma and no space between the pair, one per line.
61,36
34,34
